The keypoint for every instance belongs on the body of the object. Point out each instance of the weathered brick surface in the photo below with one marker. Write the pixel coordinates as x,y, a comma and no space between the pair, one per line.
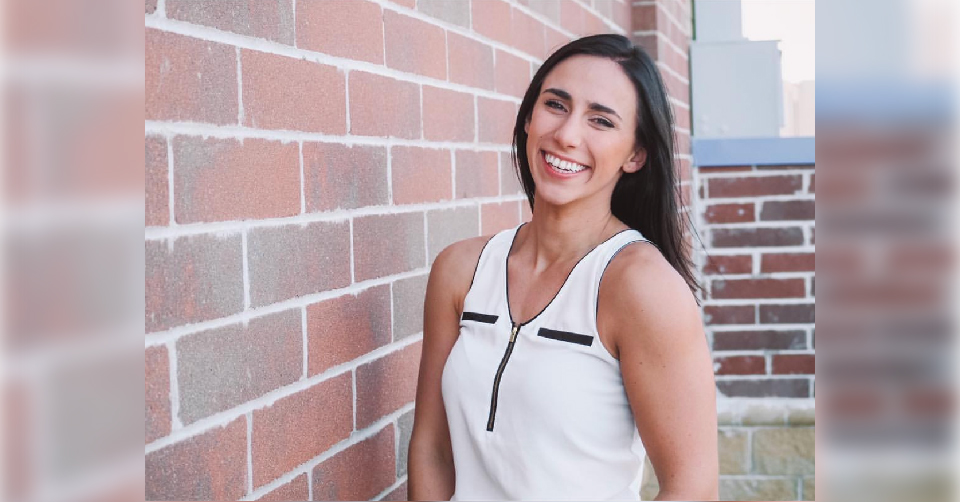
210,466
386,384
446,226
528,34
351,29
794,364
809,489
415,46
758,489
382,106
790,387
156,398
572,17
401,494
477,174
300,427
740,365
187,79
222,368
509,180
192,279
492,18
759,288
337,176
447,115
420,175
269,20
298,489
344,328
337,478
734,314
756,237
498,216
408,295
734,455
783,451
759,340
402,233
226,179
294,260
155,184
512,74
732,264
287,93
405,424
729,213
787,262
752,186
496,119
452,12
787,314
777,210
469,61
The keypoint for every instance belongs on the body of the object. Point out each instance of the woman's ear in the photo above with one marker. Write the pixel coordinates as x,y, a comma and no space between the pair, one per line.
636,162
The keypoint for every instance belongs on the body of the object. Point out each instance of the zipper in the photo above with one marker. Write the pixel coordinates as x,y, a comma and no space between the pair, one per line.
496,379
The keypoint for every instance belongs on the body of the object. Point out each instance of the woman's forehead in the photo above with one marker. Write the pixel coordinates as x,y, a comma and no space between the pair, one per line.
593,79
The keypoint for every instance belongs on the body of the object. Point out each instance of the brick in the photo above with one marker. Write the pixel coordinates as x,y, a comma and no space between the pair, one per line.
571,17
383,106
758,489
300,427
787,314
812,189
756,237
410,4
415,46
528,34
753,186
759,340
477,174
226,179
788,210
408,296
351,29
493,19
254,18
740,365
554,40
386,384
745,314
337,477
209,466
298,489
723,169
401,234
758,288
155,184
512,74
496,119
794,387
593,24
498,216
457,13
446,226
784,451
342,329
337,176
410,166
794,364
787,262
809,488
150,6
194,279
20,454
729,213
186,79
732,264
447,115
157,418
732,446
650,44
221,368
401,493
547,8
292,94
469,62
509,179
405,424
294,260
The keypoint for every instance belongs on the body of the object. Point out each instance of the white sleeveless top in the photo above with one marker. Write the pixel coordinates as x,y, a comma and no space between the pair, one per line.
546,416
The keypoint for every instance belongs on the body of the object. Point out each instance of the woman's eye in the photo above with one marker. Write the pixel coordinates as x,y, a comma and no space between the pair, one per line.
604,122
556,105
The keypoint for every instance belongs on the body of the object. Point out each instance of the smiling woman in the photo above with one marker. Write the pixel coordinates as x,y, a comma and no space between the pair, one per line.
558,354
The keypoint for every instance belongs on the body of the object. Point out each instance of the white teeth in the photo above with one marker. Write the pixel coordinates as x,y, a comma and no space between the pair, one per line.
563,164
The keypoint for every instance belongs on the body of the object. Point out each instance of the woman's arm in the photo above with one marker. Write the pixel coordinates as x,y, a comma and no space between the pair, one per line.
430,461
654,322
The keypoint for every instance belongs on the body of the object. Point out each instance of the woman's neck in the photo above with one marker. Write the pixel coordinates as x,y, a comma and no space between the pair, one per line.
562,234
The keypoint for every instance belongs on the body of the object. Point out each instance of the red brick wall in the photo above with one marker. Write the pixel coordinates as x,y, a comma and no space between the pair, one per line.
305,161
758,228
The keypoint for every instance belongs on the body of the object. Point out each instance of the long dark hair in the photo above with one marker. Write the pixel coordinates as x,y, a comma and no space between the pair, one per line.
646,200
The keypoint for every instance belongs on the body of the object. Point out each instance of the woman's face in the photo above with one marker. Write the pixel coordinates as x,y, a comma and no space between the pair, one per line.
580,136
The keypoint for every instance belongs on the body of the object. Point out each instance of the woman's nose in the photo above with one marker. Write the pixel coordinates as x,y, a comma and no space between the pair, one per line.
568,134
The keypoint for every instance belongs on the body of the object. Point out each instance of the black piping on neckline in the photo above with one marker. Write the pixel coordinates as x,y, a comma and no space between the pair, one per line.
506,275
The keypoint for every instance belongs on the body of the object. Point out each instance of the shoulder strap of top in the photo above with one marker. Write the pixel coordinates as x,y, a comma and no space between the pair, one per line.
606,255
492,259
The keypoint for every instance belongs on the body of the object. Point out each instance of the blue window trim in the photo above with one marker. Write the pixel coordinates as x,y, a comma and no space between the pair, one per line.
710,152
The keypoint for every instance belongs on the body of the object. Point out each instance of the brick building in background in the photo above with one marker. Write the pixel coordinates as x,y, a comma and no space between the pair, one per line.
305,163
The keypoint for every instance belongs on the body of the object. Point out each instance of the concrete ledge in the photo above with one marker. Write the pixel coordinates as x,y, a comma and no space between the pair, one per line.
774,151
765,412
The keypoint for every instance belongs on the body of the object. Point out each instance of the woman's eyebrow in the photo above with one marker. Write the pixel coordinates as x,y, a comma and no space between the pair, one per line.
562,94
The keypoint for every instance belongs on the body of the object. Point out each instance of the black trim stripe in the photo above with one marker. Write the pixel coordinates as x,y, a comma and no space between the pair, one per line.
566,336
474,316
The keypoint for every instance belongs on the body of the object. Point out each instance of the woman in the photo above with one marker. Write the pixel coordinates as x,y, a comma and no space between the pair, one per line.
539,380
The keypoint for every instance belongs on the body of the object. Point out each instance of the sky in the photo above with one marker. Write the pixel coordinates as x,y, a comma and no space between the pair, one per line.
791,22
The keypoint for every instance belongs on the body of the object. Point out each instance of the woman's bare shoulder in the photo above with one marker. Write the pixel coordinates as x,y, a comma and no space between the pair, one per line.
454,267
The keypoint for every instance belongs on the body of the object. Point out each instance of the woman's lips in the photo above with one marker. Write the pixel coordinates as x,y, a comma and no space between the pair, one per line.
553,171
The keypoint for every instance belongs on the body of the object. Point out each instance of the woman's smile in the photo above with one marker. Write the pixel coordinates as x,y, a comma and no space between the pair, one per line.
561,167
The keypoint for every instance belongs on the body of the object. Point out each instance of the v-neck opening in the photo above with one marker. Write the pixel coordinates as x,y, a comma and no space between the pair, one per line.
506,275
